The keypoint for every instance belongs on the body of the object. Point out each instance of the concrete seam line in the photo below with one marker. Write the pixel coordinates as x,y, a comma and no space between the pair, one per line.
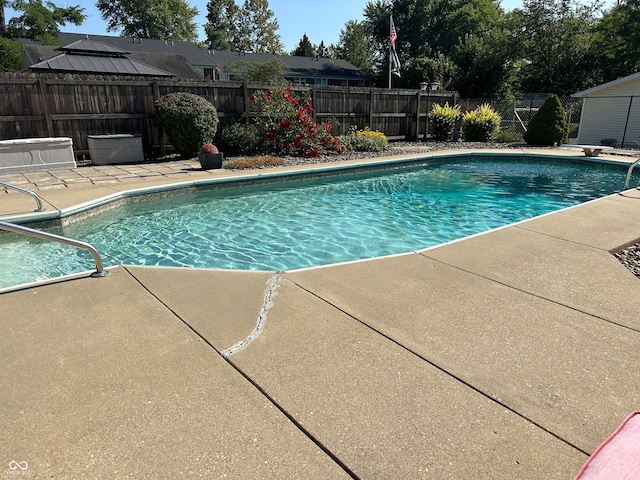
262,317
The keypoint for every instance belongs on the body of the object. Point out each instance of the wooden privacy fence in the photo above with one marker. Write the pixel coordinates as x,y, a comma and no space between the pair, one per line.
50,105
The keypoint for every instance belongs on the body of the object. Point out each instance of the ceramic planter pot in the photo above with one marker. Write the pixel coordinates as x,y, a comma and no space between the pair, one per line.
209,161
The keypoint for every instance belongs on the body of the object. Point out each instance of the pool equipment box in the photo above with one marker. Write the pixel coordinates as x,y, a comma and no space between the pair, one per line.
120,148
32,154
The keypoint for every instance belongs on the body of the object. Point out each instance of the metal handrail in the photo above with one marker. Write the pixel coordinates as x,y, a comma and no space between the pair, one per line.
28,192
100,271
626,183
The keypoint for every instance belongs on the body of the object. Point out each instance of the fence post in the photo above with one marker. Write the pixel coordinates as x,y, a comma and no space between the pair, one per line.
245,98
418,116
626,123
45,106
155,89
314,105
371,107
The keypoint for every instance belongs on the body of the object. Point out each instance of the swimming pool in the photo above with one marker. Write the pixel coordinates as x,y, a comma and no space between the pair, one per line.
307,222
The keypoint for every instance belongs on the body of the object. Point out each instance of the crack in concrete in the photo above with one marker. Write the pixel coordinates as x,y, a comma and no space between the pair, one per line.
262,317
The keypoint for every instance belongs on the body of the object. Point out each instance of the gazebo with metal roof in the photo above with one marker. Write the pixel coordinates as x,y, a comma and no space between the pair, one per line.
93,57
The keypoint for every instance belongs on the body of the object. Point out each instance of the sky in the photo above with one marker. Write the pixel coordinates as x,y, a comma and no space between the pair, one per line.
320,20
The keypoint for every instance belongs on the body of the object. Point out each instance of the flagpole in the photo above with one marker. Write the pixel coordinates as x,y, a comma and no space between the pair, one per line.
390,47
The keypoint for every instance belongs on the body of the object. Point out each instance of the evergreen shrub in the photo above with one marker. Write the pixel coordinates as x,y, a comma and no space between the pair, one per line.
549,124
189,120
442,121
481,124
240,139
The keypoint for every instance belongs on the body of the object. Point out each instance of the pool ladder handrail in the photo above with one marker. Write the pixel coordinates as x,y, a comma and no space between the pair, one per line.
631,167
28,192
100,271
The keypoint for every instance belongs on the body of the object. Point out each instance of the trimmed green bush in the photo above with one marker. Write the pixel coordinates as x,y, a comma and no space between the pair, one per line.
549,124
442,121
240,139
189,120
481,124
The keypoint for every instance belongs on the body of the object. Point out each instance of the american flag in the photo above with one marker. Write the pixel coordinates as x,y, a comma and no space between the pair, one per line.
394,66
394,35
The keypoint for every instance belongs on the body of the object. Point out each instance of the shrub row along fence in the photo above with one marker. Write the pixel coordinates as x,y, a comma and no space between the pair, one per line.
50,105
516,115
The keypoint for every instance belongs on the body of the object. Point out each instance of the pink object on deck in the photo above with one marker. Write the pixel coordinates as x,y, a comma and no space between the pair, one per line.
618,457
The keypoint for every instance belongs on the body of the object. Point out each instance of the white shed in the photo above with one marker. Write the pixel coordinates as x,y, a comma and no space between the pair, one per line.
611,113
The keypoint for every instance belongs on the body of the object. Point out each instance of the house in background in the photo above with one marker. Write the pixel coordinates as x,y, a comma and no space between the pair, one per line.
611,113
172,56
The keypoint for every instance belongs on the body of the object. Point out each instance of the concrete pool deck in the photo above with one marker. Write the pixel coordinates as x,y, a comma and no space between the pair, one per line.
507,355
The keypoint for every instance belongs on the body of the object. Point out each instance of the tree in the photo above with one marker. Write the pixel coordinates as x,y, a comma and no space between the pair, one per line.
428,32
222,27
158,19
376,20
258,28
322,51
487,60
41,22
473,46
304,48
616,43
251,28
354,46
435,68
261,72
557,37
10,55
3,21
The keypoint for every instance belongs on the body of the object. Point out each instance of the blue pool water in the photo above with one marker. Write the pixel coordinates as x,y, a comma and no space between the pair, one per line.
303,223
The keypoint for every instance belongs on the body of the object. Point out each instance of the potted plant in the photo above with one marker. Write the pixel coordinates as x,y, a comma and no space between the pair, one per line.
210,157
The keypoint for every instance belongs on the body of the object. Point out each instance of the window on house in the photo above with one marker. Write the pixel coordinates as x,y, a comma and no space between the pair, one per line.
209,73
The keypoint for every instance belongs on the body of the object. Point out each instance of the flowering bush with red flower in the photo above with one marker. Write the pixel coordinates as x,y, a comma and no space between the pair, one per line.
287,125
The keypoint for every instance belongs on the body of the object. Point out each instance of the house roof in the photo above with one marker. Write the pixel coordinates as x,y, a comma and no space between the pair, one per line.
296,66
605,86
92,46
